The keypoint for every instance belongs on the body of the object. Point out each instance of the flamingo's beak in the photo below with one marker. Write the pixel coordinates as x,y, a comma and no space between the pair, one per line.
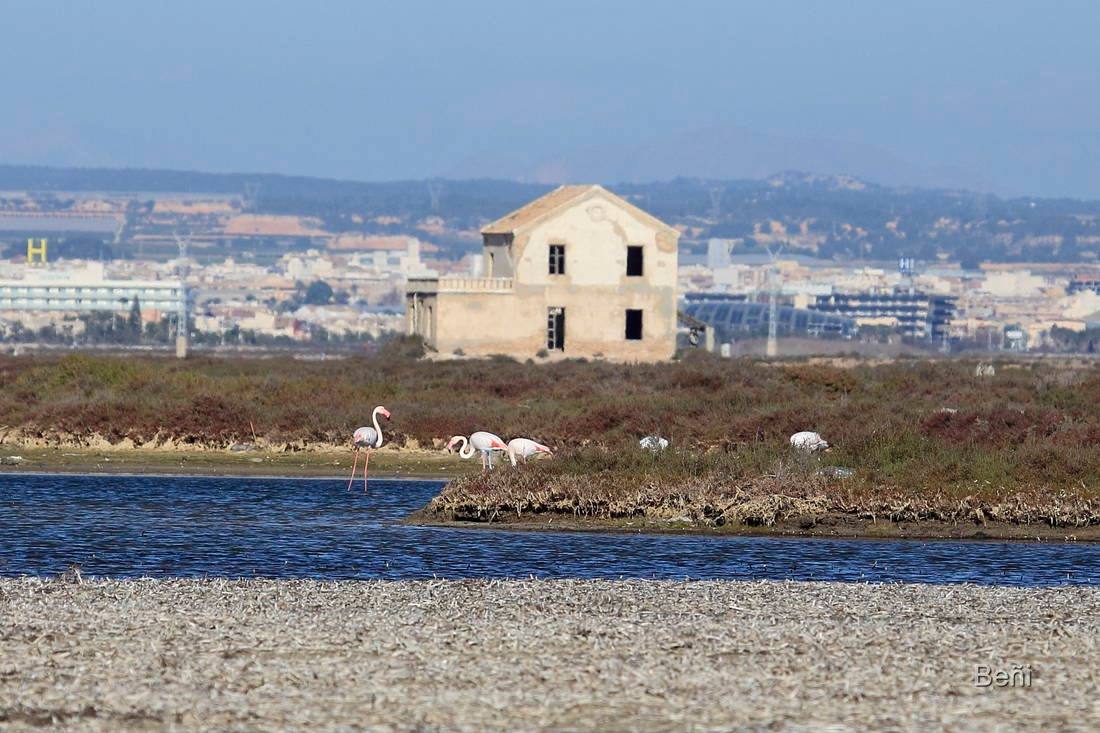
386,413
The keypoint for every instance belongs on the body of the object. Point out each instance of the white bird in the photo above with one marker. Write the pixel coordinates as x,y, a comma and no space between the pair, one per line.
481,441
367,439
524,448
653,443
809,441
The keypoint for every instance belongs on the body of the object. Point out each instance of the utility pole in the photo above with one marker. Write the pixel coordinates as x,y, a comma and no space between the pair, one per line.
773,306
181,307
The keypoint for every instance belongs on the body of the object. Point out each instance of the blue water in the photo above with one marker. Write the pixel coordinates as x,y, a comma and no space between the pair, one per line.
128,526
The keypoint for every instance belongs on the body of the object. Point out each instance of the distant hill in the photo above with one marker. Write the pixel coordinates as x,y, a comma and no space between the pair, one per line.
720,152
833,217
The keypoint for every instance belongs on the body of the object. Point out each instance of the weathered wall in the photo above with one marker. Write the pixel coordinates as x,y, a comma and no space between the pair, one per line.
497,256
595,290
490,323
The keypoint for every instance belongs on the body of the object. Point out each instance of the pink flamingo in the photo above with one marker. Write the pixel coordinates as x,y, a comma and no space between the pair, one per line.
481,441
524,448
367,439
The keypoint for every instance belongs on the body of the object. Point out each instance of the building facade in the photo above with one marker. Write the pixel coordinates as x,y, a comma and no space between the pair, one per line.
734,316
913,313
87,290
1084,283
579,272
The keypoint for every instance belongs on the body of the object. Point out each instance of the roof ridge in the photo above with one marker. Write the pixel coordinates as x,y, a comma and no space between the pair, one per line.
538,208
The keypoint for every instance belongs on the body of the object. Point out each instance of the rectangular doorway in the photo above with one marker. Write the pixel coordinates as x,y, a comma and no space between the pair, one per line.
633,325
555,329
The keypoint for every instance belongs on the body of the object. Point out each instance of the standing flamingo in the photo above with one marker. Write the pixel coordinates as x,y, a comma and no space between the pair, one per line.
481,441
367,439
524,448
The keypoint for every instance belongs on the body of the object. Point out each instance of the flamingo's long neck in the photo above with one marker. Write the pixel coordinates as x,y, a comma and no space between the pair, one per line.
377,427
467,451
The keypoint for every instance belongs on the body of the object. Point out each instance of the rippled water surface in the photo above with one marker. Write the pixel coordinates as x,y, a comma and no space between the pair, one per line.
126,526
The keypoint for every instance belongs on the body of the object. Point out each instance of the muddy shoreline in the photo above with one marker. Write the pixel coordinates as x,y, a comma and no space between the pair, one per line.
334,463
839,526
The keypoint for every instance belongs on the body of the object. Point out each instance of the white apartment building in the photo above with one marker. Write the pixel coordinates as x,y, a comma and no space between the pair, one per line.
85,289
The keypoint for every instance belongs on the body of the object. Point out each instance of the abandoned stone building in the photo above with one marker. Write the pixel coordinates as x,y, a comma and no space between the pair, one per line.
578,272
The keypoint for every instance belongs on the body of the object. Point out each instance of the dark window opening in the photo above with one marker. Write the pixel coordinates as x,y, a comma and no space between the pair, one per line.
557,259
633,325
555,329
634,261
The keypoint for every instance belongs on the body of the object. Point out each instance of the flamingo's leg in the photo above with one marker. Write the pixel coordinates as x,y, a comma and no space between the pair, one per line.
366,460
354,463
483,467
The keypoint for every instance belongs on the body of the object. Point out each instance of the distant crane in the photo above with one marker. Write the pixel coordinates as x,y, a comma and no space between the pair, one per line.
773,305
435,191
251,196
117,239
181,306
716,203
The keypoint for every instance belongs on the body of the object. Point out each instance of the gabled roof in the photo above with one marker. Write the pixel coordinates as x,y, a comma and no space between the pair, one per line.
560,197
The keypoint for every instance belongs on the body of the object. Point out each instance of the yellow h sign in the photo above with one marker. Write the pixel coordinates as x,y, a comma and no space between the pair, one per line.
36,251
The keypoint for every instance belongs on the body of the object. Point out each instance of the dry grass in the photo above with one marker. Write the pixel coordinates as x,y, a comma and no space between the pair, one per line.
699,403
762,487
541,655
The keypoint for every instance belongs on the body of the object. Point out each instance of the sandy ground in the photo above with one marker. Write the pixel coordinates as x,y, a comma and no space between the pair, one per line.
404,463
542,655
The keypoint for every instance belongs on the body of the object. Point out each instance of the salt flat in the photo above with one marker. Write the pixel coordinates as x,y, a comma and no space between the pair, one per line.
215,655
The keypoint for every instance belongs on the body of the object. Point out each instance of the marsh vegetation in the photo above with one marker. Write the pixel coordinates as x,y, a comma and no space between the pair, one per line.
923,439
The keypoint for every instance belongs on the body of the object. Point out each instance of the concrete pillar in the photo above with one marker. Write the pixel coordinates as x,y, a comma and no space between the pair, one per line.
773,347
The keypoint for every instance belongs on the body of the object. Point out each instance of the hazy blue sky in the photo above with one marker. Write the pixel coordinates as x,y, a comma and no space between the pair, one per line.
1002,96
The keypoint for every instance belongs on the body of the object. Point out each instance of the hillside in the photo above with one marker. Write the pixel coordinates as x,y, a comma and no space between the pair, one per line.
828,216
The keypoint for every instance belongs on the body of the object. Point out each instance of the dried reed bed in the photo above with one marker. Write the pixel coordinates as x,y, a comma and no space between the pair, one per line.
222,655
754,488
